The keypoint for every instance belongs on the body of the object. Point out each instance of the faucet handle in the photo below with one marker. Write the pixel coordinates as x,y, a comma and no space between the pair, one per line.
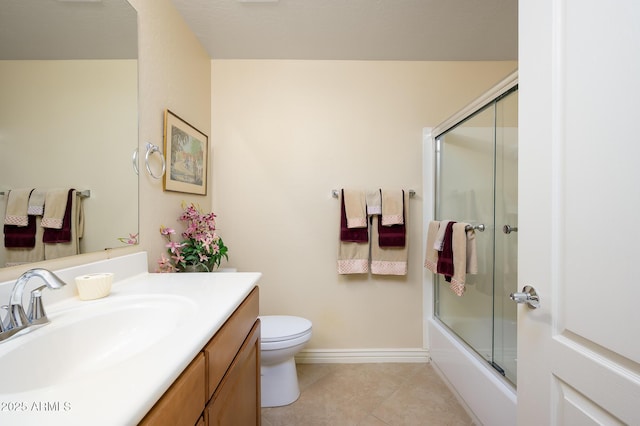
4,323
36,313
17,317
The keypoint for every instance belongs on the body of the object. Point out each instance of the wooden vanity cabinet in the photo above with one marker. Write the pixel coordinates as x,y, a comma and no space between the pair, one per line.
222,384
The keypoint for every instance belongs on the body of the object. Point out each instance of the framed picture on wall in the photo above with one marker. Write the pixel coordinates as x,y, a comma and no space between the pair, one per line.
186,156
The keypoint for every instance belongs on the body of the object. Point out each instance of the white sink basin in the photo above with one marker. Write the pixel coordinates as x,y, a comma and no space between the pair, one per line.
88,338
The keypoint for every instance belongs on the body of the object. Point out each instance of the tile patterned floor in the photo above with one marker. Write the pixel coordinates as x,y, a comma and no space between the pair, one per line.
369,395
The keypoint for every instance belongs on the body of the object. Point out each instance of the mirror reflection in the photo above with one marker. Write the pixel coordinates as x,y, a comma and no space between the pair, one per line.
69,119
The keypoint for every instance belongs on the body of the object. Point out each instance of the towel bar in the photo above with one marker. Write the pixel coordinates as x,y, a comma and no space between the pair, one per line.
335,193
82,194
479,227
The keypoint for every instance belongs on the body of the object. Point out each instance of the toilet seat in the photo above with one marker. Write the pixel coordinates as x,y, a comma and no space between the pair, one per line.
280,328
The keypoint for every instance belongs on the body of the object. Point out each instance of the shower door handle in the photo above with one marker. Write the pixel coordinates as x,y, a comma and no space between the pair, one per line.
507,229
528,296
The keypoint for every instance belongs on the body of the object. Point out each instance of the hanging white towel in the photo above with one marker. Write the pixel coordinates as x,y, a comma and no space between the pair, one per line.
392,207
36,202
374,202
355,208
431,255
55,206
438,243
17,206
464,257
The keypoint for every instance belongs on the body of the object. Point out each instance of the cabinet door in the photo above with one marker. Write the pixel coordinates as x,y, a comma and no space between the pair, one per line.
237,399
184,402
224,346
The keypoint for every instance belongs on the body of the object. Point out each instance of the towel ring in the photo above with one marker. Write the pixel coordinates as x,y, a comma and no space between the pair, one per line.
151,148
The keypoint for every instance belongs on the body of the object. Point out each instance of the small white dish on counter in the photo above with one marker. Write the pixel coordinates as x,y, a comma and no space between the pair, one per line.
94,286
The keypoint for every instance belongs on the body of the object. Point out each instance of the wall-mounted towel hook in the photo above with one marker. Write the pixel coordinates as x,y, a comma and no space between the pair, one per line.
151,148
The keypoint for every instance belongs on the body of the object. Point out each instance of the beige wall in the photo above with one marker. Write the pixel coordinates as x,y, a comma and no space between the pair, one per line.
285,133
175,75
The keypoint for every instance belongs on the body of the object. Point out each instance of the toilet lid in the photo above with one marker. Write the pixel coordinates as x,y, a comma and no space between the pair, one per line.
275,328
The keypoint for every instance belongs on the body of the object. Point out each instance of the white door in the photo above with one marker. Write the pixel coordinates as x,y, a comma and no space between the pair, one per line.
579,212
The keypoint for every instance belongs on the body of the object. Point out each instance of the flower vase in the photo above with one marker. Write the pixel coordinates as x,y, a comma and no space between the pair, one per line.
200,267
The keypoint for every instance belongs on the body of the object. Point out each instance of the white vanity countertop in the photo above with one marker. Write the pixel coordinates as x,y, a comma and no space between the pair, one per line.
122,392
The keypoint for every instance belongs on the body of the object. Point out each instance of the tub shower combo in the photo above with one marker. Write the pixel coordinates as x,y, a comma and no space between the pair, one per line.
472,338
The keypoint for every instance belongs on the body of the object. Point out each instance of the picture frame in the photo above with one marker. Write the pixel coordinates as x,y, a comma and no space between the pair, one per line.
186,151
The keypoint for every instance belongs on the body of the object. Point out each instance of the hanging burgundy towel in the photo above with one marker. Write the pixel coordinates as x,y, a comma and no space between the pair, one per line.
353,235
445,259
21,236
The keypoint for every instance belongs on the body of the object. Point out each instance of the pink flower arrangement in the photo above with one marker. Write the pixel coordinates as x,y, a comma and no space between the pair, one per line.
201,247
131,240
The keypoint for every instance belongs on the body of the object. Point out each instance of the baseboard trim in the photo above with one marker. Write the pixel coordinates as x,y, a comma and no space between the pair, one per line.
361,356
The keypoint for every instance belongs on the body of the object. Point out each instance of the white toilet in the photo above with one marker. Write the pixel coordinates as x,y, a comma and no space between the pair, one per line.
282,337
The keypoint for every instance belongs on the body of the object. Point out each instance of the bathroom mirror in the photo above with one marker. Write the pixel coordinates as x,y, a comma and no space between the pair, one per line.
69,109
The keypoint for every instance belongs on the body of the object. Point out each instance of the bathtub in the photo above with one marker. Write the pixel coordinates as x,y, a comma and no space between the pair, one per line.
486,395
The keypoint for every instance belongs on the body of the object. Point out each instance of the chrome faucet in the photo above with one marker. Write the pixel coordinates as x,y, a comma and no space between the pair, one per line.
16,319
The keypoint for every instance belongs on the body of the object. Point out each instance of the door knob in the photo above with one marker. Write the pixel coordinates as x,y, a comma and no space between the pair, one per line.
507,229
528,296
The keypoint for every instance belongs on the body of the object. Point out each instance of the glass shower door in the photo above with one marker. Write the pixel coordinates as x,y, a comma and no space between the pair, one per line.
465,193
506,235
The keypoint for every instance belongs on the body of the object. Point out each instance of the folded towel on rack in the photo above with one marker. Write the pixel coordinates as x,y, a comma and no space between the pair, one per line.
36,202
374,202
445,258
355,208
63,234
431,255
356,235
393,235
55,206
389,260
17,206
392,207
463,243
439,241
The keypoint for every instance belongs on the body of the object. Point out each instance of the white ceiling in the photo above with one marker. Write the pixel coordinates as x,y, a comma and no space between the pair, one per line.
433,30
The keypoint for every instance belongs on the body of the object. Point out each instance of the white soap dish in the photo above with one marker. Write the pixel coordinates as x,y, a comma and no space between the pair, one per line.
94,286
